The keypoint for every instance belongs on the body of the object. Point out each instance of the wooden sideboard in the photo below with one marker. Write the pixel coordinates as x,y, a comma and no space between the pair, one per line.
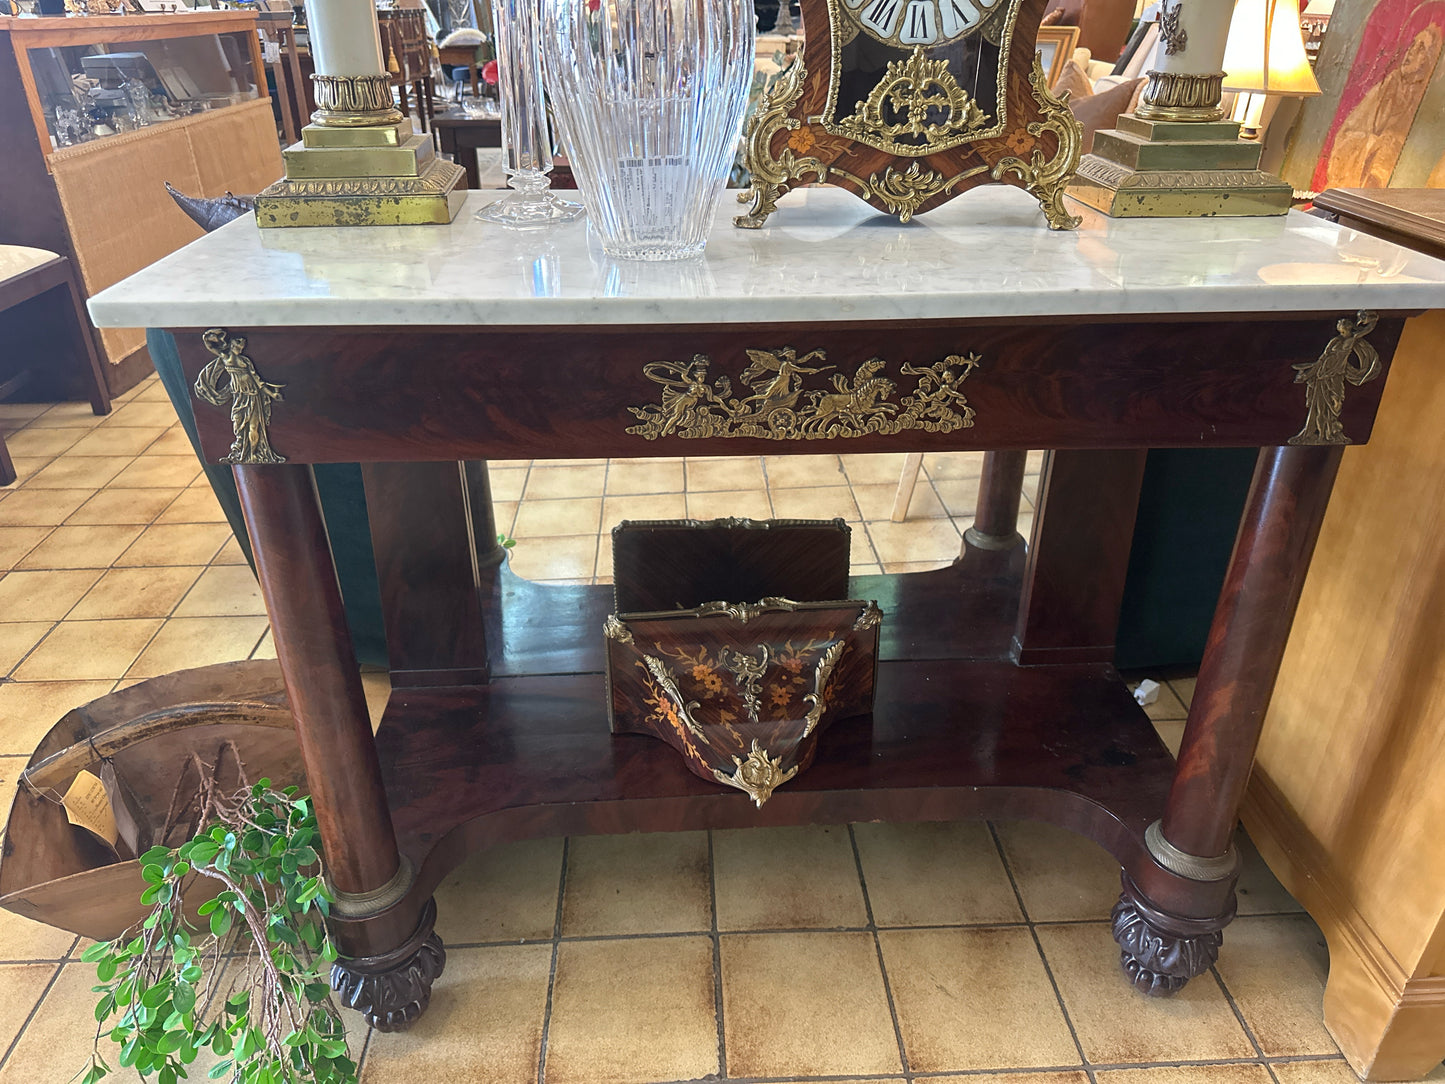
976,328
1347,801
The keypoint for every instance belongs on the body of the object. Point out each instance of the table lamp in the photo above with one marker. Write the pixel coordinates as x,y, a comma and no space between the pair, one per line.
1265,59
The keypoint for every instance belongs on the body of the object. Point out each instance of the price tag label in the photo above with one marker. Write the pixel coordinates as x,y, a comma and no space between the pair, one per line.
651,187
87,806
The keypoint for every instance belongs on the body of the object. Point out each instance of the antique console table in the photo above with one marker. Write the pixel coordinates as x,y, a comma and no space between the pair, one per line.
831,330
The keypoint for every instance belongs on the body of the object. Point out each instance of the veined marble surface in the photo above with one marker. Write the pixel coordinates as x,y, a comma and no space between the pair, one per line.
824,256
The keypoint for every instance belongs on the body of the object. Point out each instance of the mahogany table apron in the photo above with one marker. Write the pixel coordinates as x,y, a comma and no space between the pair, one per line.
996,695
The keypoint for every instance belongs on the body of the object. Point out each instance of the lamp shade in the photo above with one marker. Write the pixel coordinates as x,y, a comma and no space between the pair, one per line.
1266,51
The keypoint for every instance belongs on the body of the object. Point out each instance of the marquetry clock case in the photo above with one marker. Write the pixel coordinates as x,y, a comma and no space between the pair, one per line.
908,103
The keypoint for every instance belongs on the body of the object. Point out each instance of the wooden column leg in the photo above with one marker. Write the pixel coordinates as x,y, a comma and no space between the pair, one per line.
996,516
1074,580
423,518
1163,949
7,465
333,730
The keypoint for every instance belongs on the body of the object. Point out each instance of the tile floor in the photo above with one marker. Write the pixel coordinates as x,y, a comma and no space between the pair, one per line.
870,952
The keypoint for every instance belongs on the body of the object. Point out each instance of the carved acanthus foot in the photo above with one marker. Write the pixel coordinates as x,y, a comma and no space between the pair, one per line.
1159,962
393,990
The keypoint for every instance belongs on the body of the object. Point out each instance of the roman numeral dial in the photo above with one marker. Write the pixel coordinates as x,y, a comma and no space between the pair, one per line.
907,23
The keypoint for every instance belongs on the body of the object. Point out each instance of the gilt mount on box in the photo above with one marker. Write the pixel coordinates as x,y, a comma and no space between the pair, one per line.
908,103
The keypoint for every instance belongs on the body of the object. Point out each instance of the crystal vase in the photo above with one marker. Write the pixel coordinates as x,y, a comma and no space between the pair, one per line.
650,97
527,143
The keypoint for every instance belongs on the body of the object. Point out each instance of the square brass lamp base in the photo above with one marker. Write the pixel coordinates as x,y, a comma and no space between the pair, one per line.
386,175
1177,169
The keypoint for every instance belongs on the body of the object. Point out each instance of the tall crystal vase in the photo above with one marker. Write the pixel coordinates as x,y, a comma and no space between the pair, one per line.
650,97
528,146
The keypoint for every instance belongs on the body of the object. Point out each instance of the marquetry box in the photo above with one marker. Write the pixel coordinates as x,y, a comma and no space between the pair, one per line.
743,690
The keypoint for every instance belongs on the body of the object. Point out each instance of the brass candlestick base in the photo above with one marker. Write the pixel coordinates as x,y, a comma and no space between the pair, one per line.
359,163
1177,169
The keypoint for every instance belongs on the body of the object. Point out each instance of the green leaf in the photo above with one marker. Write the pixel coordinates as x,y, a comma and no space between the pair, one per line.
106,969
156,995
104,1007
220,1069
155,856
184,999
96,951
221,923
240,1000
153,874
128,1053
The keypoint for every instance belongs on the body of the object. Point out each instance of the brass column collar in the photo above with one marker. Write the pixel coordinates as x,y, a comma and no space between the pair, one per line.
1193,866
362,904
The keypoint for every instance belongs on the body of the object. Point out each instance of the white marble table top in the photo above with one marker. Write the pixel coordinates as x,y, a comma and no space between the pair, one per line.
824,256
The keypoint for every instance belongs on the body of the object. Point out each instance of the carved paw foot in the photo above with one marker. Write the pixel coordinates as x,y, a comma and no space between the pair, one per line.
1159,963
393,990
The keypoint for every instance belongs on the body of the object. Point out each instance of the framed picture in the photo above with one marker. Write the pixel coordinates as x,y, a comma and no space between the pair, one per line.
1380,119
1056,45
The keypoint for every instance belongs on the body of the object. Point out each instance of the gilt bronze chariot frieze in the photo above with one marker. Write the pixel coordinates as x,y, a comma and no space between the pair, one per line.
783,403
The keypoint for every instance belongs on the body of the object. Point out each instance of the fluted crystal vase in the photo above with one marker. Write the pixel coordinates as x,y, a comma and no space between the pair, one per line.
525,139
650,97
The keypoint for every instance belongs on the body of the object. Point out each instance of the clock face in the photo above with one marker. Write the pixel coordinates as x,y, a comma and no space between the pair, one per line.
919,22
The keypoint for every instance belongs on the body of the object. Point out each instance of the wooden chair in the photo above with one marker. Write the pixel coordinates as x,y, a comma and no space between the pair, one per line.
26,276
407,48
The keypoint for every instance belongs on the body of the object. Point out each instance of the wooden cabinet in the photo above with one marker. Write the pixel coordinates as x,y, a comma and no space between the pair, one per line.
103,202
1347,802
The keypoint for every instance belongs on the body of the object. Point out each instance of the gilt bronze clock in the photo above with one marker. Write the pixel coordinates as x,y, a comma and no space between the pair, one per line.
908,103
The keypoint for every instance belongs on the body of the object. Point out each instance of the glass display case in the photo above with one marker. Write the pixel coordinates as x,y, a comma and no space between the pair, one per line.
93,81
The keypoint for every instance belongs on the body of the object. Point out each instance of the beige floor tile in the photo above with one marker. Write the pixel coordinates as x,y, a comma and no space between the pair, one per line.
867,569
959,496
1184,688
484,1024
43,596
873,468
148,413
136,592
1275,968
1167,707
175,544
230,554
507,484
506,893
20,990
17,638
68,415
805,1004
934,874
41,507
550,483
748,503
876,502
505,514
653,883
79,472
1026,525
266,649
29,709
57,1042
1116,1024
152,391
160,472
725,474
1171,733
553,518
33,443
1326,1071
821,502
894,567
1061,875
224,591
375,686
632,1011
185,642
88,651
991,978
649,506
173,441
1035,462
786,878
555,558
22,939
1061,1076
1259,891
112,440
953,464
114,505
924,540
604,557
860,547
15,415
88,546
29,466
1233,1073
649,476
192,506
17,542
803,471
10,768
